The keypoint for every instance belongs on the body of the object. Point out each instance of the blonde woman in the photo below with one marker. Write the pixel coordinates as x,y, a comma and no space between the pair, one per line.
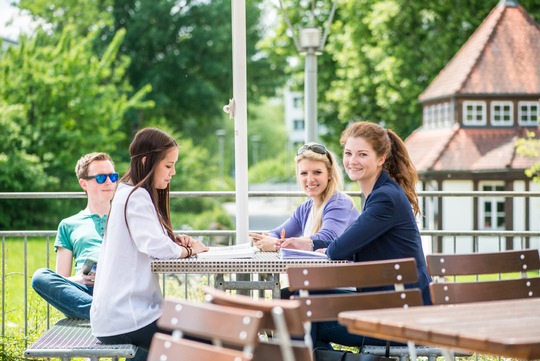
327,212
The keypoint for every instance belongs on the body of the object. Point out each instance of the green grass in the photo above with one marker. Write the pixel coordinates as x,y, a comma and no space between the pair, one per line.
20,305
18,334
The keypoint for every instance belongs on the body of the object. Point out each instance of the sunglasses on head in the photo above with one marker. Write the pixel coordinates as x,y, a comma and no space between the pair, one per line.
101,178
317,148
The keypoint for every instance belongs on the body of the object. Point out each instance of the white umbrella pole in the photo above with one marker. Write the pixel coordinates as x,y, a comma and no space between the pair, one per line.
238,9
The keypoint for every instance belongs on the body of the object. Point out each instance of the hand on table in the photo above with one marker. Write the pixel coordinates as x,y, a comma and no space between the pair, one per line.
305,244
265,242
190,243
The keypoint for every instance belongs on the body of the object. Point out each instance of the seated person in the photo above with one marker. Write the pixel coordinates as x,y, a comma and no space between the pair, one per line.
327,212
79,237
377,159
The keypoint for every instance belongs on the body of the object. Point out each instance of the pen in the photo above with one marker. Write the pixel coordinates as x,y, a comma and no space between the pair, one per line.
280,241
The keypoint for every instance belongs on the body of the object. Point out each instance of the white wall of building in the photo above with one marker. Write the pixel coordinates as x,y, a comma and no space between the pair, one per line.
457,215
535,214
294,118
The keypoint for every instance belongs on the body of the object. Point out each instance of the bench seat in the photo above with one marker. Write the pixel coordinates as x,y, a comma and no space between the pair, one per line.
71,337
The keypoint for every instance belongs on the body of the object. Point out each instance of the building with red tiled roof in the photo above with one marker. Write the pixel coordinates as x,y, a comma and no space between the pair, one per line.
476,108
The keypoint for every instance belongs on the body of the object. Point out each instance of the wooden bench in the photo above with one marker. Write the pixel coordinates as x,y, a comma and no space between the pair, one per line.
72,337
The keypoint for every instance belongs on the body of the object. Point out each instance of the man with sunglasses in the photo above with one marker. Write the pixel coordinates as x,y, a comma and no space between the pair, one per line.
79,239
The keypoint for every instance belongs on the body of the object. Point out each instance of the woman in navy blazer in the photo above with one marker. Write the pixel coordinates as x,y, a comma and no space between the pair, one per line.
386,229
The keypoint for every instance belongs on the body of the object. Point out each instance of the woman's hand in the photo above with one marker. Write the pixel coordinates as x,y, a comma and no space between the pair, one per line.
198,247
184,240
305,244
264,242
193,246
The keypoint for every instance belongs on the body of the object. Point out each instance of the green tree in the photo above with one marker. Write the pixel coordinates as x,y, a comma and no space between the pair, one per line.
380,55
182,49
58,101
530,147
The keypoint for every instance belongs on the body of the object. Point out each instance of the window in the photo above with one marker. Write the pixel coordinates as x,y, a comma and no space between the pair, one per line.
297,102
528,113
474,113
492,213
502,113
298,124
438,115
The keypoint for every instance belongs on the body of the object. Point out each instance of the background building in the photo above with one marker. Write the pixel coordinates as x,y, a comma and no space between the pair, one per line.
484,99
295,118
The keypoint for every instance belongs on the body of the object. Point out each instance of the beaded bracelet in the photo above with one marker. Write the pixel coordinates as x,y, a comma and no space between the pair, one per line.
188,250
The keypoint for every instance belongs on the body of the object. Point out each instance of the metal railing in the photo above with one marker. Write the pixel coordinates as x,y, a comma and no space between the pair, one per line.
521,239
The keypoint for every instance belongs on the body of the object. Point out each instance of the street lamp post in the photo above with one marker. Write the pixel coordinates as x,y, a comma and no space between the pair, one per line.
255,139
311,44
310,41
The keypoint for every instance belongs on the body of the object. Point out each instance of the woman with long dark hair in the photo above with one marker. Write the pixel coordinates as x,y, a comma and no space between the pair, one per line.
127,296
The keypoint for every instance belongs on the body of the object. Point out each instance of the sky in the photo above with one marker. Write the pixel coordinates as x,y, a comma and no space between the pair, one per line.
20,22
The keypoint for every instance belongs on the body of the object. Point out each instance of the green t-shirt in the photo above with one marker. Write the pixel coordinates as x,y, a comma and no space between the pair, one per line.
82,234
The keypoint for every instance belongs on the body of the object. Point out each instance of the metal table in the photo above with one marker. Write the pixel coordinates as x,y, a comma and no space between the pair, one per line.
267,264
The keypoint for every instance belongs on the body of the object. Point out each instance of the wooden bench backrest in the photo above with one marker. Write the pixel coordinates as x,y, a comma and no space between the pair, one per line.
325,307
447,289
283,317
291,309
359,274
166,347
211,322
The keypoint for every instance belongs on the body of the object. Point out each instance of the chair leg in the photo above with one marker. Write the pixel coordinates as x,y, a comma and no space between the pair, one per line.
412,350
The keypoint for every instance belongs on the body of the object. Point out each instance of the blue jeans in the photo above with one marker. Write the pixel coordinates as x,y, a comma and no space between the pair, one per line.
71,298
322,333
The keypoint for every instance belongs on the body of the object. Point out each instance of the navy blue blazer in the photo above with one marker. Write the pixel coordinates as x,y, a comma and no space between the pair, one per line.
386,229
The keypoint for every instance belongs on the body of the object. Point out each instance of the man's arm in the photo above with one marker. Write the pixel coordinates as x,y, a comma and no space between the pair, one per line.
64,262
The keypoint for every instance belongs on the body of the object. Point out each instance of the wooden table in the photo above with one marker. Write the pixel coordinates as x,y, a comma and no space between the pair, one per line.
502,328
268,264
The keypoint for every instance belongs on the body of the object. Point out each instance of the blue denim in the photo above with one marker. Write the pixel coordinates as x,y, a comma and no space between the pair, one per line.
322,333
71,298
325,332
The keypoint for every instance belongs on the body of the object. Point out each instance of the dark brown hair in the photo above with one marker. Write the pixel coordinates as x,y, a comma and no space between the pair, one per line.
148,148
398,164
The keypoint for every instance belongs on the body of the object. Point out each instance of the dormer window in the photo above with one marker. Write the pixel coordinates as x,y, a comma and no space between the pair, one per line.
502,113
474,113
528,113
438,115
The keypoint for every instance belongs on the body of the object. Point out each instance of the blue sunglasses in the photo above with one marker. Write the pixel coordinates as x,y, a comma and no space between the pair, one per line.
101,178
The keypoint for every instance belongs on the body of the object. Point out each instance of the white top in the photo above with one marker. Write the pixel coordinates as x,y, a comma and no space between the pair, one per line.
127,295
308,228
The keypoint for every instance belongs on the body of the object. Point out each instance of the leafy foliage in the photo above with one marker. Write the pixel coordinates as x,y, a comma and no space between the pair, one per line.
57,102
530,147
182,49
278,169
380,55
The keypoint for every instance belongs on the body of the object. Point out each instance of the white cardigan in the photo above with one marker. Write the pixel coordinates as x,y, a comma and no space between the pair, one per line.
127,295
